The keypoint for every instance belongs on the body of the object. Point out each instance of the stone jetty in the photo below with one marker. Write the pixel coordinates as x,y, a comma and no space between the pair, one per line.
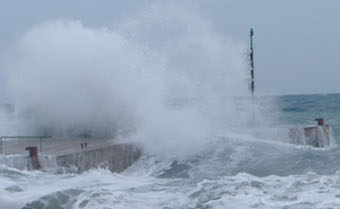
68,155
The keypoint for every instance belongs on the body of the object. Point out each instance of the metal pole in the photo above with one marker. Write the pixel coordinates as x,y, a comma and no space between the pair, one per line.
1,144
252,80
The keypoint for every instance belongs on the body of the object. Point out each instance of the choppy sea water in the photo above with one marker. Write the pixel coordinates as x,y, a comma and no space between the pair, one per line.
234,171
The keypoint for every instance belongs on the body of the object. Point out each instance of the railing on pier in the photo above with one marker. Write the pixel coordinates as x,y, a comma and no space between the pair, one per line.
23,137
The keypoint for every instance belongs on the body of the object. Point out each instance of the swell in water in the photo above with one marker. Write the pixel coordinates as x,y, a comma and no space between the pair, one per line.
233,172
181,93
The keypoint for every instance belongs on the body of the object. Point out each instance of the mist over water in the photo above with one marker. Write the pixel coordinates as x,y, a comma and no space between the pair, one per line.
166,80
163,77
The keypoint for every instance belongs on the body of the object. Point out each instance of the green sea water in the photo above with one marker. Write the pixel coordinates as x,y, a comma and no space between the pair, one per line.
304,109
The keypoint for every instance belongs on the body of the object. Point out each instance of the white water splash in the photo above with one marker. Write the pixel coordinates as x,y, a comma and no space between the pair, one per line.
164,78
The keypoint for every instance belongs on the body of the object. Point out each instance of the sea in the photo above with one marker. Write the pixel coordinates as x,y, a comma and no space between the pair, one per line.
234,171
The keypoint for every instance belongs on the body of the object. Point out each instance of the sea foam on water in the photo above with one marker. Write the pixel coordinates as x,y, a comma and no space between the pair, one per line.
167,80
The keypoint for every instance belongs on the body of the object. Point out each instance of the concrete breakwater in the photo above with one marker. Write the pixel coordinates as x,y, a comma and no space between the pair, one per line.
79,155
116,158
69,155
317,136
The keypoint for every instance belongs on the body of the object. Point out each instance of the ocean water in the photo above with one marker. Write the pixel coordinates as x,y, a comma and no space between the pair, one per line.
303,109
166,78
235,170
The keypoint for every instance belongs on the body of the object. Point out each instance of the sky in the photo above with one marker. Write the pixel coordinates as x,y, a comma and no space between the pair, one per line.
296,42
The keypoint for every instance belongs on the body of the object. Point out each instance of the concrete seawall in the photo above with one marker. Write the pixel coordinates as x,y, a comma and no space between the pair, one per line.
69,155
317,136
116,158
79,155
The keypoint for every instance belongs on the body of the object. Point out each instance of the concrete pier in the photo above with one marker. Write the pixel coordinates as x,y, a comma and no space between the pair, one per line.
316,136
116,158
70,155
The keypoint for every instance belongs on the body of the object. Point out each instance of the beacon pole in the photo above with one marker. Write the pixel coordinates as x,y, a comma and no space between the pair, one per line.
252,80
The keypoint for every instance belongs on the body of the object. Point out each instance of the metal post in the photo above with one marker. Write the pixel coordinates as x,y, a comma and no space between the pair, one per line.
34,156
252,80
1,144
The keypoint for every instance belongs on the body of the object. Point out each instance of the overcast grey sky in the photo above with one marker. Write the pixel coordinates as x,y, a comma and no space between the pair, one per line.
296,42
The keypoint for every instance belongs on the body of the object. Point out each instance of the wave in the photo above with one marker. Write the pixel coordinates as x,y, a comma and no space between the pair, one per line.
230,173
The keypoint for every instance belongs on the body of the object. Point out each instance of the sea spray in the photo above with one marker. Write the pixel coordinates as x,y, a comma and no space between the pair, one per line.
172,88
163,78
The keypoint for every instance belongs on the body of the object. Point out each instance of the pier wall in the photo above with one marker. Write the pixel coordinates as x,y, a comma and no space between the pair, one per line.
318,136
315,136
116,158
